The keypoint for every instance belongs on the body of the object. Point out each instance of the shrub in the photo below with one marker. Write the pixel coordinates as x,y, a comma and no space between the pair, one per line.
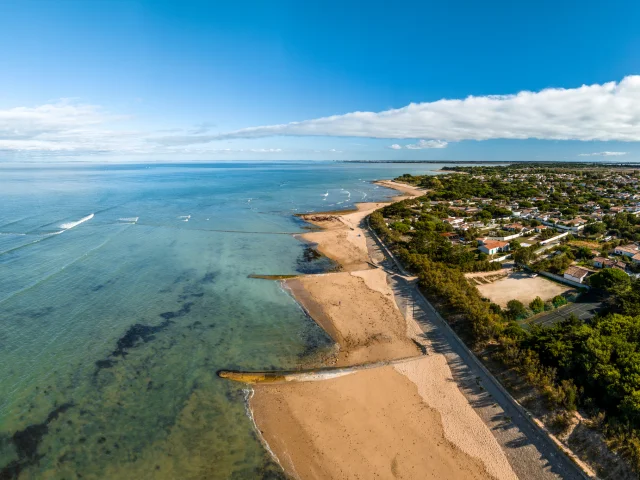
558,301
516,309
537,305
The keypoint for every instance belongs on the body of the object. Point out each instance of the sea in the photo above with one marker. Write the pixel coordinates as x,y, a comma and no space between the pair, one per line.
125,288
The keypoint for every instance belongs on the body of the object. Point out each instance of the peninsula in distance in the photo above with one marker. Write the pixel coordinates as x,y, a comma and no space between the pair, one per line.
342,240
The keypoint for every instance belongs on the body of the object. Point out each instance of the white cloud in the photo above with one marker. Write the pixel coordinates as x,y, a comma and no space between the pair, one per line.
265,150
428,144
610,111
602,154
607,112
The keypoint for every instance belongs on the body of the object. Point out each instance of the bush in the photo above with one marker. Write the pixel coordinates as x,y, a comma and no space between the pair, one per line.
558,301
400,227
537,305
516,309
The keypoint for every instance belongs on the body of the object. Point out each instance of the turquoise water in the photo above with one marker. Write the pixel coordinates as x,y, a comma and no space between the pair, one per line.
123,289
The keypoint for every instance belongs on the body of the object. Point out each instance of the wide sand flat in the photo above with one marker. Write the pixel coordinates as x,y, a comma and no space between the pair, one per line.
402,187
358,311
371,424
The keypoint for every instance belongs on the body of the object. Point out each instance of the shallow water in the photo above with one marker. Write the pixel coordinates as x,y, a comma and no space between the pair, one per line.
123,289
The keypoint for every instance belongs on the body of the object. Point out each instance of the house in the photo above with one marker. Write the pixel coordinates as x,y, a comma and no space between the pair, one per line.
576,274
493,246
453,220
540,228
636,259
626,250
621,265
574,225
601,262
452,237
514,227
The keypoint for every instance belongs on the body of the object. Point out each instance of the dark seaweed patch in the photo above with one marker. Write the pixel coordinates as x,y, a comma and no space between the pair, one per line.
310,261
309,254
104,364
209,278
26,443
184,310
138,334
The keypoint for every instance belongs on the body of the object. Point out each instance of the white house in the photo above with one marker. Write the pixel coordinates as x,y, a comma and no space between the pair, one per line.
626,250
493,246
576,274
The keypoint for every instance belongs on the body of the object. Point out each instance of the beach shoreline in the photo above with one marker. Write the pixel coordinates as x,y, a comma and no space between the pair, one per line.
380,422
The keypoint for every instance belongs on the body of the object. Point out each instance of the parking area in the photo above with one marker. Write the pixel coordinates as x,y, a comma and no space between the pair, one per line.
520,286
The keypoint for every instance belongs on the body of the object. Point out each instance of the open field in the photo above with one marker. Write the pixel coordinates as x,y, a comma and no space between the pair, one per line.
584,243
521,286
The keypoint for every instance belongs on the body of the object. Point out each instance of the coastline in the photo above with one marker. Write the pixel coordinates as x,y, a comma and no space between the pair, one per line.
400,421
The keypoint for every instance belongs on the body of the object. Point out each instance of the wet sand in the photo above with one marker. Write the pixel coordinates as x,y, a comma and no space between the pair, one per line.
406,421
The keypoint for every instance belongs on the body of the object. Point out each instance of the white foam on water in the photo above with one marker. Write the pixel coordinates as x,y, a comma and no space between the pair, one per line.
70,225
129,219
326,194
184,218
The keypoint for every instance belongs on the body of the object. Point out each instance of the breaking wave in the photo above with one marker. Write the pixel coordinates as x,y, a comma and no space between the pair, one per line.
70,225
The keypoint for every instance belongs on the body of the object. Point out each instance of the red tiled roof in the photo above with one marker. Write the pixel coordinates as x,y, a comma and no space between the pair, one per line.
491,244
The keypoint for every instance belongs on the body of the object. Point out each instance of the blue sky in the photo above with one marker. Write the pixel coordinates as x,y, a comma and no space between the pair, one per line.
167,80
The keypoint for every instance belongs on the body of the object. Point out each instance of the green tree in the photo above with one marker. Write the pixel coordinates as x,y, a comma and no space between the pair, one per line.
516,308
537,305
611,280
400,227
524,256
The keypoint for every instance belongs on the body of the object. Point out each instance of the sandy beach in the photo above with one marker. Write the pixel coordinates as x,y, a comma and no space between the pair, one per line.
407,421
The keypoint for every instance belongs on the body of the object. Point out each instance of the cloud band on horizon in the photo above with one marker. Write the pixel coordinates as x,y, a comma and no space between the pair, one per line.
610,111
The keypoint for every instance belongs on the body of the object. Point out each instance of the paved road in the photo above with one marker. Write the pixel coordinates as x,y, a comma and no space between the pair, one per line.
532,454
